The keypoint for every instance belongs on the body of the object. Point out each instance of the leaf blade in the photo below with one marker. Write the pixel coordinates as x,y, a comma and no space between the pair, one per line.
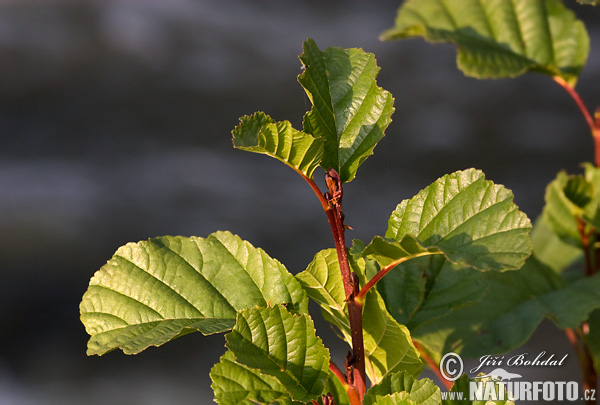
422,392
282,345
260,134
234,383
350,112
153,291
388,345
470,219
503,38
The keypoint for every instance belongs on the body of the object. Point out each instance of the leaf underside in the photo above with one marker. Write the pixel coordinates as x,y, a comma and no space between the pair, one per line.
260,134
283,345
234,384
500,38
153,291
422,392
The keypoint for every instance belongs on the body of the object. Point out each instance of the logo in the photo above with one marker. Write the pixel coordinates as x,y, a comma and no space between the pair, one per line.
500,384
451,366
501,374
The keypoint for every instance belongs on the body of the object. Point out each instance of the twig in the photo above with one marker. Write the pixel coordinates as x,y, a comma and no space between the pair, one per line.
593,124
433,365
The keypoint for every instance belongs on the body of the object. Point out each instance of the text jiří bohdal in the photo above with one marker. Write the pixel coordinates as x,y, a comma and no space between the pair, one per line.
520,360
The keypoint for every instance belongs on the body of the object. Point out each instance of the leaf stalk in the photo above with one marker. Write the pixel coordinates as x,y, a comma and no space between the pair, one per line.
593,123
360,297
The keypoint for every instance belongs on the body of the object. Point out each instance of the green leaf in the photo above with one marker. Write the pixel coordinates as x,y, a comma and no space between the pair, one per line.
387,251
388,345
470,219
397,398
153,291
234,384
549,249
260,134
282,345
559,212
501,38
578,191
323,283
349,111
511,307
571,199
422,392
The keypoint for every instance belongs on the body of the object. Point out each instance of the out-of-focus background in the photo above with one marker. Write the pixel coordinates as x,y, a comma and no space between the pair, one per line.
115,121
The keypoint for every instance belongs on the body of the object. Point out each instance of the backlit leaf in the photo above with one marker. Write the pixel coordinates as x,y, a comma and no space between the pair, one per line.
260,134
500,38
350,112
388,345
153,291
234,384
283,345
422,392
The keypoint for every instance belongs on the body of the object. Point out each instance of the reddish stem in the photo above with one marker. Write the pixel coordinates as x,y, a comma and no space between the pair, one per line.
433,365
316,190
354,307
360,297
355,362
337,372
577,340
593,124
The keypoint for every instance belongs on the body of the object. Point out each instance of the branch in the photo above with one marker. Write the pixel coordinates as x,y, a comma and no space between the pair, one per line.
357,378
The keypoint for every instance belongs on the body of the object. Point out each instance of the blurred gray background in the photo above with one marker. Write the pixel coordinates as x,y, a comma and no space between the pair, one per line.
115,121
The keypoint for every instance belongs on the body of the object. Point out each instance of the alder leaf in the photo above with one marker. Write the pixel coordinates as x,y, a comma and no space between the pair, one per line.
388,345
283,345
501,38
422,392
350,112
511,306
549,249
573,199
397,398
234,384
260,134
153,291
470,219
